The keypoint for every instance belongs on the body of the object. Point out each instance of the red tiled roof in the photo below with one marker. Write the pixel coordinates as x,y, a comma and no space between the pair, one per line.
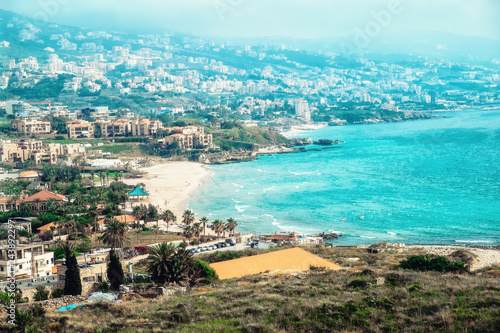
121,218
45,195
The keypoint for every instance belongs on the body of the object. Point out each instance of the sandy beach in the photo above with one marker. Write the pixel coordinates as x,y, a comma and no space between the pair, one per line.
484,257
172,184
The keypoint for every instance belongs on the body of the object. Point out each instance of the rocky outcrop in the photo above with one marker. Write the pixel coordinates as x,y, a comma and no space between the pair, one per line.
239,155
328,236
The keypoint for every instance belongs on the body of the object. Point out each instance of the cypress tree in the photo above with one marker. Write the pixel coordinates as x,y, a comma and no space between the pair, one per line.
115,273
73,283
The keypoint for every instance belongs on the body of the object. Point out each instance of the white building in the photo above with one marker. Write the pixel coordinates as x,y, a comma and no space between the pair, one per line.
302,109
28,261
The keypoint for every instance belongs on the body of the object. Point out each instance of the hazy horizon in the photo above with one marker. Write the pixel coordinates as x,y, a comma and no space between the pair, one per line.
279,18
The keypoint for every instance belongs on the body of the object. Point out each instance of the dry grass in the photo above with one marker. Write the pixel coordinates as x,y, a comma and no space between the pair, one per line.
312,301
309,302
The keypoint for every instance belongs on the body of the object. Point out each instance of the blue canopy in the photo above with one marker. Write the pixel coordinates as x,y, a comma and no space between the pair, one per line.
138,191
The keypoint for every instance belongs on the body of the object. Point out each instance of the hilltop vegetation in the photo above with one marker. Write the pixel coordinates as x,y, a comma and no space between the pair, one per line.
366,298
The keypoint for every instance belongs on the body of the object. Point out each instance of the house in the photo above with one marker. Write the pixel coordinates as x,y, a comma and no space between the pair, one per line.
121,218
31,127
28,175
80,128
30,261
36,202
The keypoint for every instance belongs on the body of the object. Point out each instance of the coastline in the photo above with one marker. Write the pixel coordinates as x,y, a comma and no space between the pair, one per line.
171,185
299,129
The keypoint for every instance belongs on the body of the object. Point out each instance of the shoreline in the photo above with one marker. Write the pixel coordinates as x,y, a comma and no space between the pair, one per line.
172,185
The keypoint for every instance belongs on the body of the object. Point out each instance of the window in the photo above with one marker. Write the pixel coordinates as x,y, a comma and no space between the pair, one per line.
1,268
20,266
88,279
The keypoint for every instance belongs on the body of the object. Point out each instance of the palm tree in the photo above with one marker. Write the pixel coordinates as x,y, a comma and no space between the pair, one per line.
189,233
167,264
167,216
197,229
92,175
204,221
52,228
115,234
188,217
138,232
139,212
218,227
231,225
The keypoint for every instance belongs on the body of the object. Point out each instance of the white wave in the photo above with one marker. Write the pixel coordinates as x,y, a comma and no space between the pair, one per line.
391,233
250,217
240,209
235,184
367,237
470,241
319,173
268,215
236,201
297,186
250,193
335,232
269,189
275,223
259,170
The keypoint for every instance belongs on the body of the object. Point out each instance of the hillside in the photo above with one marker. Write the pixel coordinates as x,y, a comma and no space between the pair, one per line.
367,296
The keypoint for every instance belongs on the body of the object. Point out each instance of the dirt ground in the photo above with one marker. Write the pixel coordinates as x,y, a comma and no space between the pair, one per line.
295,259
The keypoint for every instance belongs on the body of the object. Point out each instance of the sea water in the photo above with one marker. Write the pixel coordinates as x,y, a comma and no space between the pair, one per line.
421,182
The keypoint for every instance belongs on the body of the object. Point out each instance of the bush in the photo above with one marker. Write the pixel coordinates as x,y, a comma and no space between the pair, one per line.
56,293
206,272
104,287
41,294
115,271
438,264
357,284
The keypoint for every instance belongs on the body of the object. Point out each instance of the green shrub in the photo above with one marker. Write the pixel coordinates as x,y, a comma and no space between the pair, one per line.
41,294
56,293
358,283
206,272
104,287
438,264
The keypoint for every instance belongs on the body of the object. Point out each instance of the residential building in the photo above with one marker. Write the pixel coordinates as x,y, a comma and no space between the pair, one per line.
38,202
188,137
31,127
145,127
120,127
28,261
80,128
302,109
14,107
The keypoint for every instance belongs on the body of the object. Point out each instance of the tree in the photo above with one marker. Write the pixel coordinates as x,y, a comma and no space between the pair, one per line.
72,282
52,228
218,227
197,229
188,233
116,277
153,213
170,264
231,225
204,221
140,212
168,216
188,217
115,234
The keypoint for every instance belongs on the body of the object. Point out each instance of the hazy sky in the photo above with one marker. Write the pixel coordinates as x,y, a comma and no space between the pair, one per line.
256,18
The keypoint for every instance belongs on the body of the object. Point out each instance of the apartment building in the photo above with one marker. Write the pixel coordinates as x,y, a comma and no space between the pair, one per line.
30,149
145,127
31,127
26,261
80,128
188,137
120,127
23,150
71,150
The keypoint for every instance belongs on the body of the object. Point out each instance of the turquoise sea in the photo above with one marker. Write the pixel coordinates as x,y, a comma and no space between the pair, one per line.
422,182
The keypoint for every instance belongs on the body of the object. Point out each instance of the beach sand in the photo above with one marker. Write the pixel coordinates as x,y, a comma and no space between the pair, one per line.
171,185
484,257
295,259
